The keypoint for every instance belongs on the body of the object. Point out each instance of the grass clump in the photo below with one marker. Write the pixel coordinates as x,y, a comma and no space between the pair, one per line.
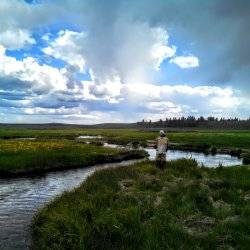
142,207
24,157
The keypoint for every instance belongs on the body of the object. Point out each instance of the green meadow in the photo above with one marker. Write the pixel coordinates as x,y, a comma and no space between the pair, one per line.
142,207
219,138
232,142
37,156
183,206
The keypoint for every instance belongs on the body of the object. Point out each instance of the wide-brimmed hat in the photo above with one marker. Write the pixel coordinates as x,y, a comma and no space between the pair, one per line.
162,132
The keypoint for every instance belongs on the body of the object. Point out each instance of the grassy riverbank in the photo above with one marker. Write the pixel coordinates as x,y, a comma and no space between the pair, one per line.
141,207
30,157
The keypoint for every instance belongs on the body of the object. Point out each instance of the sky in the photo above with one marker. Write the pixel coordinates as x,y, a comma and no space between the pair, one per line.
96,61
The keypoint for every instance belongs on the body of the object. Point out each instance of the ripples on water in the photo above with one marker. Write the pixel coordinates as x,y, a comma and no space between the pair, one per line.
206,160
20,198
201,158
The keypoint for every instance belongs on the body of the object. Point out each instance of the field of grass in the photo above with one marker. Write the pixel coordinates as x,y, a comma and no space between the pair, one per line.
22,157
229,139
121,136
142,207
231,142
232,139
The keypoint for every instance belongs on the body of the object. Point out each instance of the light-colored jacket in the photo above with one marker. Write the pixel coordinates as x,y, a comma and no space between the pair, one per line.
162,144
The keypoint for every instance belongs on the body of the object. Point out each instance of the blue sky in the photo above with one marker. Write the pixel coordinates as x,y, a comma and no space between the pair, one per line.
96,61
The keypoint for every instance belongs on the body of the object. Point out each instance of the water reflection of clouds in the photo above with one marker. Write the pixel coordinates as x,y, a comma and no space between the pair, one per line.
89,137
206,160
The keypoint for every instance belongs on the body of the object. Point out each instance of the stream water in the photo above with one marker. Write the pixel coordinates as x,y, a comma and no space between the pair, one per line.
20,198
89,137
202,159
206,160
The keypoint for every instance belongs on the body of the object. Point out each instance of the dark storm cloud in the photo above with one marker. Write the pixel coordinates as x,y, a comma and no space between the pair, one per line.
219,30
11,83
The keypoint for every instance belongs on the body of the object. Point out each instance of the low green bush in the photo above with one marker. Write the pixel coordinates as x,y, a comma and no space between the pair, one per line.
246,158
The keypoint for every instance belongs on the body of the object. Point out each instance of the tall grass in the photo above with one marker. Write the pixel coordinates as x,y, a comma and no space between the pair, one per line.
17,157
141,207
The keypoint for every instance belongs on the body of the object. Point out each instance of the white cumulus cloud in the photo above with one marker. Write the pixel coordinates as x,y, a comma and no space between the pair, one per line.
29,71
160,50
14,39
185,61
68,46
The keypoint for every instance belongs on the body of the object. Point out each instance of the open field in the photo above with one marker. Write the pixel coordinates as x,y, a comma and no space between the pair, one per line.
124,135
142,207
24,157
237,138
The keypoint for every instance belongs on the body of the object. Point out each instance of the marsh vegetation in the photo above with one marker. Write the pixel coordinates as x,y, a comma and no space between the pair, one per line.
34,150
141,207
39,156
137,207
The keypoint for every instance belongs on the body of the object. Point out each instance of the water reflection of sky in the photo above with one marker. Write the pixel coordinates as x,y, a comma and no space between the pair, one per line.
89,137
206,160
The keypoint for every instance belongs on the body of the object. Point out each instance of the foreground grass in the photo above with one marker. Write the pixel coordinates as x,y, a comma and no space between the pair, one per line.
22,157
141,207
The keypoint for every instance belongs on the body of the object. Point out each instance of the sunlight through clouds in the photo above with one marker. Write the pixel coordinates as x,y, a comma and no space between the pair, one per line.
90,61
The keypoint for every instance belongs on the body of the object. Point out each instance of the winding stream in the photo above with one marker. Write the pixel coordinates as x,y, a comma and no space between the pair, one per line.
20,198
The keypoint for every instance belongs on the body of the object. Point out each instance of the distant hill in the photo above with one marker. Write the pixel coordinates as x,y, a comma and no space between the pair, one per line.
64,125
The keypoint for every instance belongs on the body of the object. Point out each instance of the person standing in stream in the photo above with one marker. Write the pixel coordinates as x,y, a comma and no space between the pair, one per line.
161,149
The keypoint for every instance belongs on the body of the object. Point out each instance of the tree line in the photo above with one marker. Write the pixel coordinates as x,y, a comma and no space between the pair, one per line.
200,122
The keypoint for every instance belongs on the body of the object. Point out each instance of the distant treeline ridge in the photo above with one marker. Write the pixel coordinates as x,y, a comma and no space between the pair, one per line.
201,122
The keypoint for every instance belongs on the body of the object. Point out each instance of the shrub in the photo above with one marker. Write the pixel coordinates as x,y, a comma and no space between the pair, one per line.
246,158
213,150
